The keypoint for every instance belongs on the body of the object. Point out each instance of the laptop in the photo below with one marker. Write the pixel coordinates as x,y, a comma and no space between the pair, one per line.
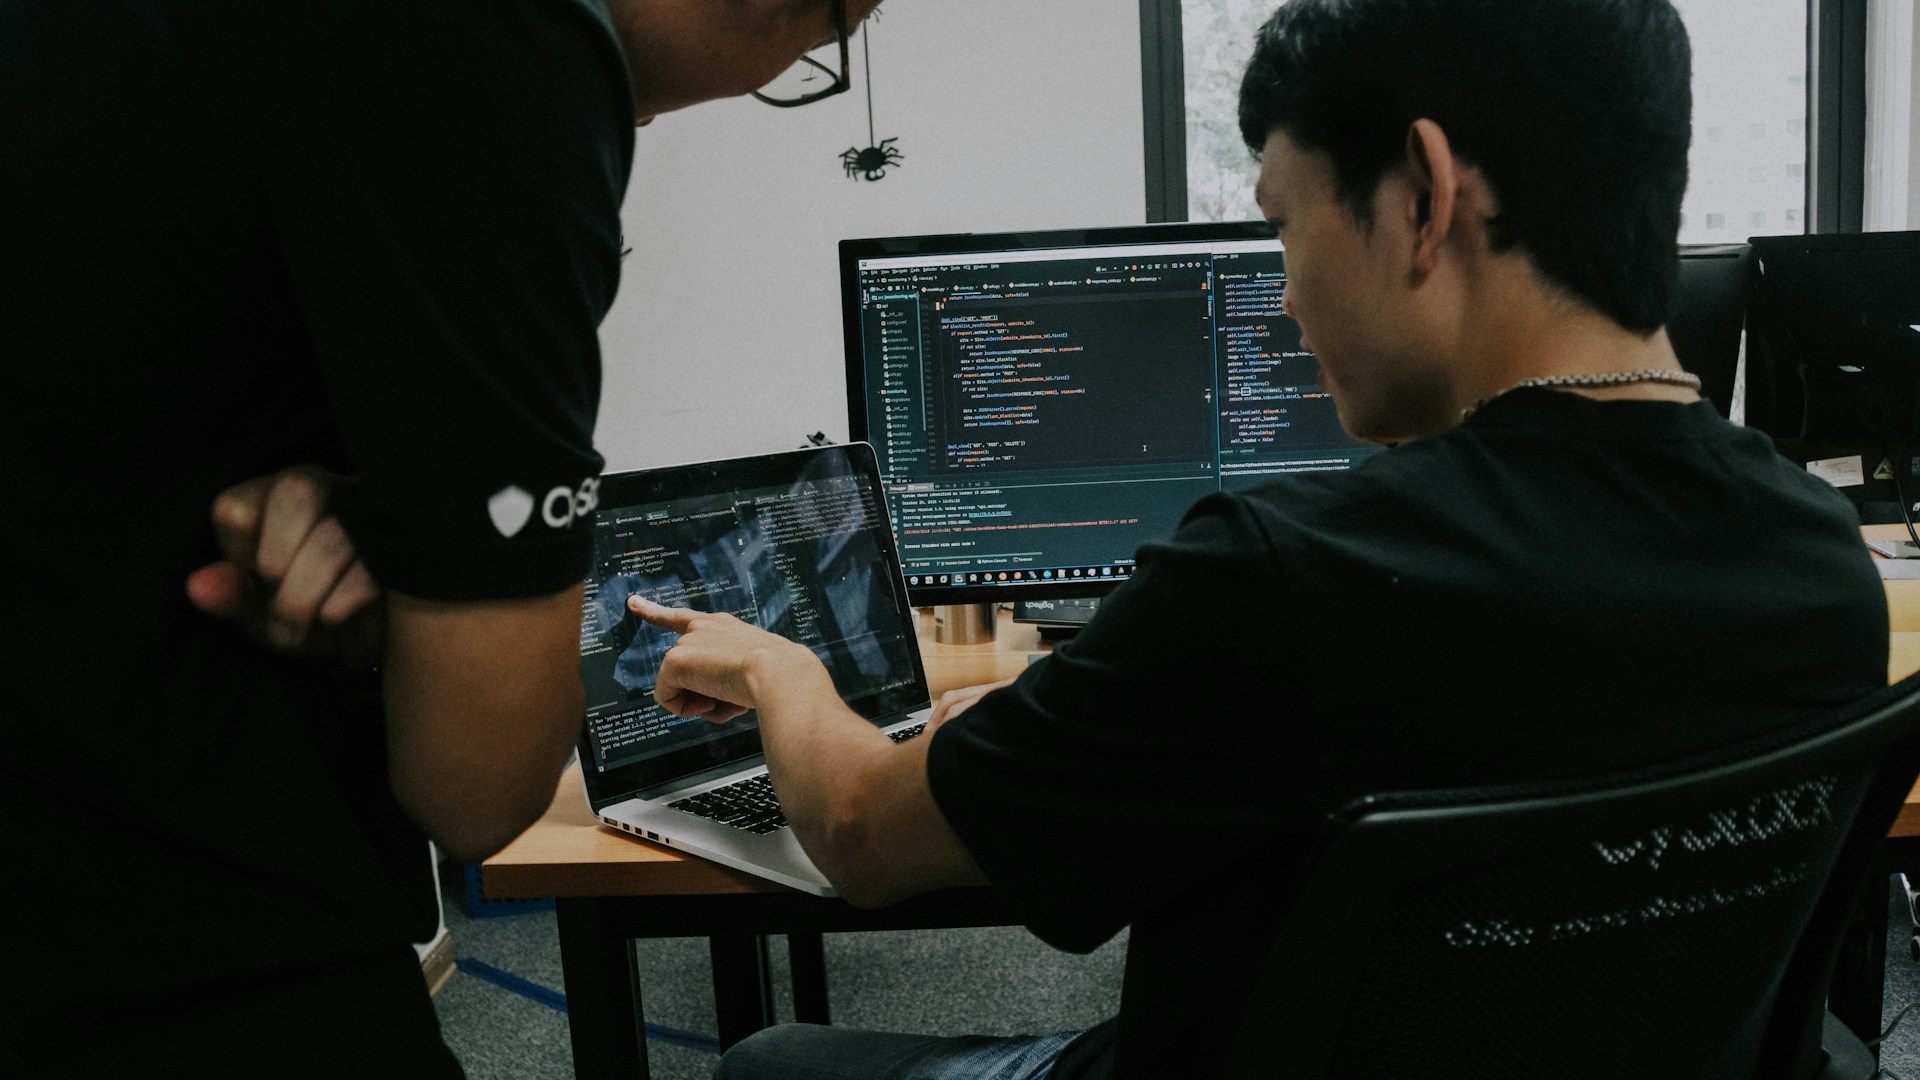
798,543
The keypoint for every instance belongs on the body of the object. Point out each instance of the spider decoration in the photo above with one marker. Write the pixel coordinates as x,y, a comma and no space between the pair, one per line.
873,161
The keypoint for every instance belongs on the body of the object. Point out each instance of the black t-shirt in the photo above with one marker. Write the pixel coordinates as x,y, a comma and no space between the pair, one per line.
1557,587
236,235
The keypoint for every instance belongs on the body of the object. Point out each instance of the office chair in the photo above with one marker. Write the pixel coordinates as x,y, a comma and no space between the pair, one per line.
1709,313
1679,921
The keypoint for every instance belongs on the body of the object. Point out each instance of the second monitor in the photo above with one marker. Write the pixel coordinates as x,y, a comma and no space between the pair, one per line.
1044,403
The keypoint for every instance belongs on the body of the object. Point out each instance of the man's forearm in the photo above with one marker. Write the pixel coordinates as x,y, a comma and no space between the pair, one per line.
483,703
819,752
860,805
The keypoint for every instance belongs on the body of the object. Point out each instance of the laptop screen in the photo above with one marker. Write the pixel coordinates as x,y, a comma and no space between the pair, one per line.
797,543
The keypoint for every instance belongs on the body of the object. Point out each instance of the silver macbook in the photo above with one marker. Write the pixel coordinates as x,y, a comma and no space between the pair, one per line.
798,543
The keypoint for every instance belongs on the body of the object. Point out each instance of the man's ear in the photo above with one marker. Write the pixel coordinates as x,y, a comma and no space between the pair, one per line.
1435,175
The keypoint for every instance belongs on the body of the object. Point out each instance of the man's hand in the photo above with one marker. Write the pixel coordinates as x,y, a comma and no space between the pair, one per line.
860,804
713,670
291,577
954,702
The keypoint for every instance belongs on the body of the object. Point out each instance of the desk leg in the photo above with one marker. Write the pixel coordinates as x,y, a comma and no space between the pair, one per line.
1856,996
807,955
742,985
602,976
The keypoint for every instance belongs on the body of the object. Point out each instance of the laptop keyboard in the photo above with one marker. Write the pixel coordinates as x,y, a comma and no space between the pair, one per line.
750,804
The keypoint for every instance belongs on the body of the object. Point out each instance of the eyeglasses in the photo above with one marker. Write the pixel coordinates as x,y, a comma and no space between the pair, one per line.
785,92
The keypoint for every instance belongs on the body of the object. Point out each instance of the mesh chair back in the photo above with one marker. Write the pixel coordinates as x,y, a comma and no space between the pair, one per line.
1635,926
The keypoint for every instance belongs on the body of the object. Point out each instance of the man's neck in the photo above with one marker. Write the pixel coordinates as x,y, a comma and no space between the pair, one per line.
1529,333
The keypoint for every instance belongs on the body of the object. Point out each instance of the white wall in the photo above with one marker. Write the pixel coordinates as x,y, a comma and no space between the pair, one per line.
726,336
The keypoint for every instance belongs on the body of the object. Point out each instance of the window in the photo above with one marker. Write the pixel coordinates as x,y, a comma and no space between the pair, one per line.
1749,114
1750,105
1217,40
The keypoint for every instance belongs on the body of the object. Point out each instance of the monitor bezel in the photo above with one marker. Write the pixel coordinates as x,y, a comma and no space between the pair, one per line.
854,250
1776,399
1766,408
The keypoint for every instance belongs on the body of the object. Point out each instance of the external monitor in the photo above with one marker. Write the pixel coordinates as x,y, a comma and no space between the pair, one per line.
1044,403
1833,360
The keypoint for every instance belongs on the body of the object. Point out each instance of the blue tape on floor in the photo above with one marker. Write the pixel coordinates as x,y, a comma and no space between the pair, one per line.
507,980
557,1001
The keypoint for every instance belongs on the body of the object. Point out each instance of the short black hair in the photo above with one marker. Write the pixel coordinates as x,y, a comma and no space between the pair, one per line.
1578,113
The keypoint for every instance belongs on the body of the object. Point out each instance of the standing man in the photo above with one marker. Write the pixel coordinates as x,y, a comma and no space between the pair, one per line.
1567,564
235,236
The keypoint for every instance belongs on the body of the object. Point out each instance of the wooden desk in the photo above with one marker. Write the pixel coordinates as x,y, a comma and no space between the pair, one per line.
1903,657
609,889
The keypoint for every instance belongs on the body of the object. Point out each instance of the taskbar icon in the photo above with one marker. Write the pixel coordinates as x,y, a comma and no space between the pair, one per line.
1025,577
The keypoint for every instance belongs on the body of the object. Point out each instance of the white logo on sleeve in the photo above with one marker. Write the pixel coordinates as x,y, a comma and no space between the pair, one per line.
510,508
562,505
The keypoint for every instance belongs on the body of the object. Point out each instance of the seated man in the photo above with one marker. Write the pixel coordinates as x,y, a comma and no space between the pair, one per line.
1567,564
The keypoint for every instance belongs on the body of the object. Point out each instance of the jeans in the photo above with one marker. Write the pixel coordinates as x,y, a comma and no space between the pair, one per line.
811,1052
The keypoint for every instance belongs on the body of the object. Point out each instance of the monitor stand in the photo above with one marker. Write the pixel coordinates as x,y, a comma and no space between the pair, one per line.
963,624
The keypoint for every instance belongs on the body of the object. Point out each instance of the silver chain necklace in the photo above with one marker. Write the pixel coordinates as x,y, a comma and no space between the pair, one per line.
1609,378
